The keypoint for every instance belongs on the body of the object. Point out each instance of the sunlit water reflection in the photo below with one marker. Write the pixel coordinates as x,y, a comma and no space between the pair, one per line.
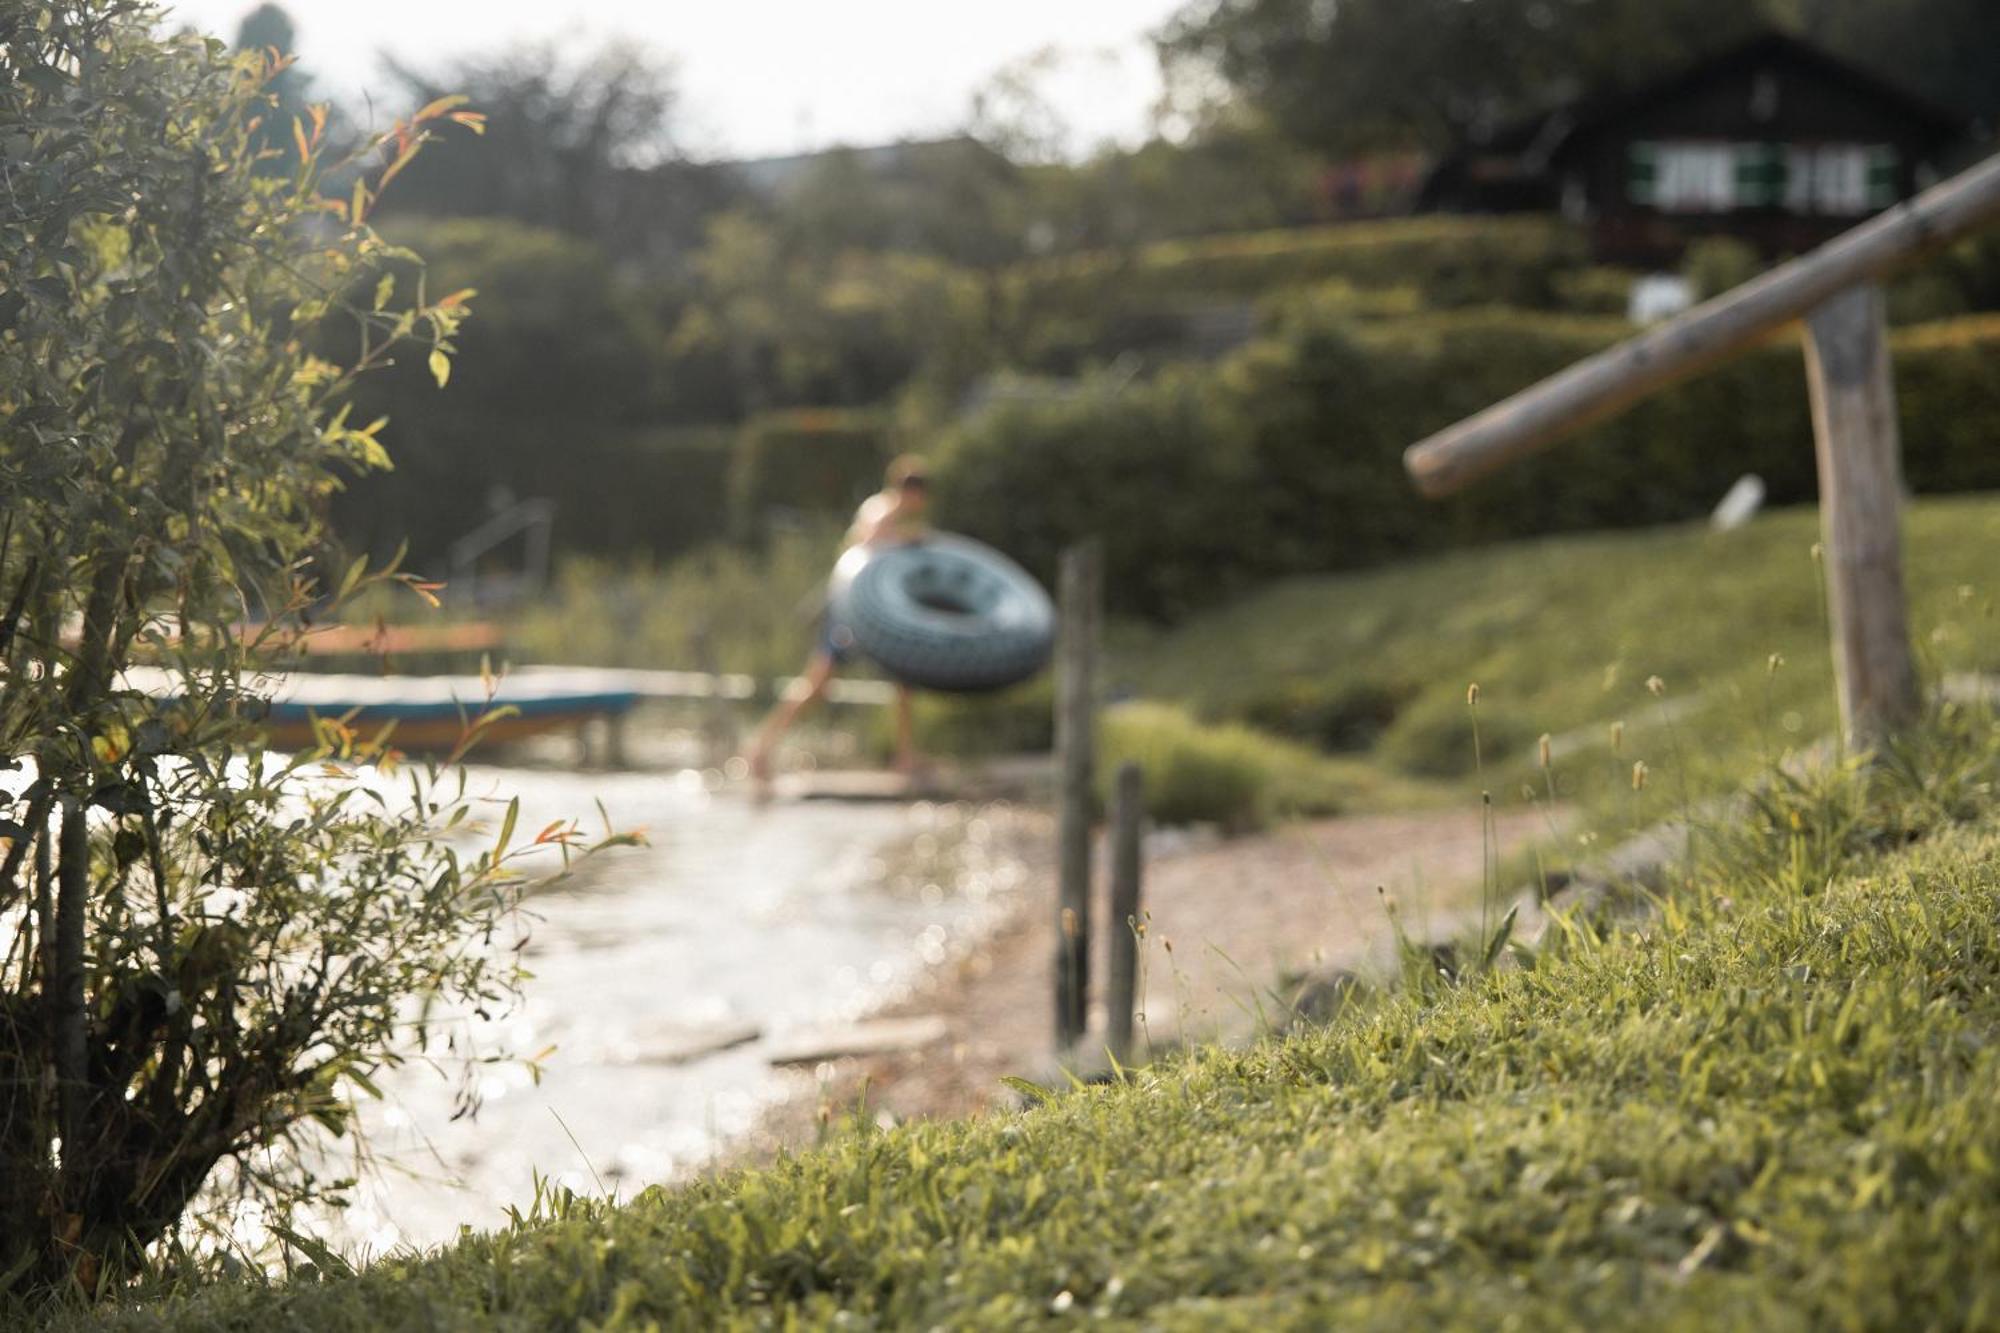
734,916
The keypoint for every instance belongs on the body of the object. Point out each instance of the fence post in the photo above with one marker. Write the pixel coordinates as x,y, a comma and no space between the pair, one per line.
1128,819
1860,499
1080,591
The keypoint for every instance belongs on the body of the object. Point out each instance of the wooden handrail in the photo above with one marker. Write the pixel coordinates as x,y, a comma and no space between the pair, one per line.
1611,381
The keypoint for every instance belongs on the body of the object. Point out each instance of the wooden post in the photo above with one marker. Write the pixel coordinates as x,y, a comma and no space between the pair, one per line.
1081,595
1128,819
1860,501
616,755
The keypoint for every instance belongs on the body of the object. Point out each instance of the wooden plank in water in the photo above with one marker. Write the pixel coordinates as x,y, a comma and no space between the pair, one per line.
679,1043
881,1036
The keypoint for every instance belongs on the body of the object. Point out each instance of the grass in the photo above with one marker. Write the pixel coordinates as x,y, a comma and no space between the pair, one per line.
1236,777
1777,1105
1562,636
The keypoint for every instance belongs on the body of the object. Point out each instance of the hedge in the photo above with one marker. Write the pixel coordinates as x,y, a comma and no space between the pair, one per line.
1455,261
805,460
1066,313
618,490
1287,457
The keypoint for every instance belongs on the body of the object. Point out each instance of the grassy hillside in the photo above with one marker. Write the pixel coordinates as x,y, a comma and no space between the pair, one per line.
1780,1107
1562,637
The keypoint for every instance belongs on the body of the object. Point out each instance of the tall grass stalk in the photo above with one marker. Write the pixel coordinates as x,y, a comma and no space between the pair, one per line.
1489,856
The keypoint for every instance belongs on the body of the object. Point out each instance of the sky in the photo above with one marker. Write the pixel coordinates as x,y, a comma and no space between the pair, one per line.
766,77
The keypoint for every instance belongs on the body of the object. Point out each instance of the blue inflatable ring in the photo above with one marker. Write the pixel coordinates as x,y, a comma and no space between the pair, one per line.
944,613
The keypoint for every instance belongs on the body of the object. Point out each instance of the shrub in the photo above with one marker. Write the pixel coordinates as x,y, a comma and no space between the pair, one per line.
1227,775
1150,466
1597,290
208,950
1194,774
1716,264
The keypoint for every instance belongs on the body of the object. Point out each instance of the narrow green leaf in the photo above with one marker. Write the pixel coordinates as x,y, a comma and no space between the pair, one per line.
507,828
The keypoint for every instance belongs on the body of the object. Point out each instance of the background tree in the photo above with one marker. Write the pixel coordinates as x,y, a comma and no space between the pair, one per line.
203,951
1362,75
267,33
583,145
1942,49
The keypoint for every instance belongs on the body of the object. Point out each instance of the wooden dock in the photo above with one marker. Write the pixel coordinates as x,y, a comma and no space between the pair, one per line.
433,712
707,685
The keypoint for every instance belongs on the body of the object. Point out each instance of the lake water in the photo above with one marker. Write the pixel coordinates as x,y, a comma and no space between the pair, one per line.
776,917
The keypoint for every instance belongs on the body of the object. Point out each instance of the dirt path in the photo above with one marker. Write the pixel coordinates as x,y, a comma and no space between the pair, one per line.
1238,915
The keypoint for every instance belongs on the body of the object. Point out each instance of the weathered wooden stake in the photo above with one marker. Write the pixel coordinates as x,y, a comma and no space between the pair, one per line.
1860,503
1128,820
1080,592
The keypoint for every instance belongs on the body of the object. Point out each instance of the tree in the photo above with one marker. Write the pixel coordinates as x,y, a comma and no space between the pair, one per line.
560,360
207,949
1943,49
584,146
1361,75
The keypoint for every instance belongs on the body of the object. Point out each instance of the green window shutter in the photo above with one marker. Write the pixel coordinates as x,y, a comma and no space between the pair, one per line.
1884,180
1781,174
1760,170
1642,180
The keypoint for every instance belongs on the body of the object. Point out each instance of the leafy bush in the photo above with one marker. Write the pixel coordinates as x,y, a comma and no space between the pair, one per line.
1227,775
1717,264
1147,466
1194,774
1597,290
208,949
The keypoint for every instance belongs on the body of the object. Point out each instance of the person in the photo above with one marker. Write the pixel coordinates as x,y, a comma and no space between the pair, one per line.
893,515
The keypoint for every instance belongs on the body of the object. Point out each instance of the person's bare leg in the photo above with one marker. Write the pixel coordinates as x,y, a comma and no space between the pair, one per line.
819,671
906,732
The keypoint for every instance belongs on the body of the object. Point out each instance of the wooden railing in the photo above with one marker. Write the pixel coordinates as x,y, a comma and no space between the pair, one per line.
1836,290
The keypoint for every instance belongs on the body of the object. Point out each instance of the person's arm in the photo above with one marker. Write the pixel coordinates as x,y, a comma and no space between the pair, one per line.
867,522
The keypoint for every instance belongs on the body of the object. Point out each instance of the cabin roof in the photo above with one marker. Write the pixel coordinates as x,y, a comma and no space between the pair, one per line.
1545,131
1771,46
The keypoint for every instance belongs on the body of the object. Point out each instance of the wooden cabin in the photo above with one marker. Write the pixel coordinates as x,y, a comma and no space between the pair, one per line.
1773,141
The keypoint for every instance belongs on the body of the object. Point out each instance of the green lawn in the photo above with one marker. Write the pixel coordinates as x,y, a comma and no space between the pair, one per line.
1562,636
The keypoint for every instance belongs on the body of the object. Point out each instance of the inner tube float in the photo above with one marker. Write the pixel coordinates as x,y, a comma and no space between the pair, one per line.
943,613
